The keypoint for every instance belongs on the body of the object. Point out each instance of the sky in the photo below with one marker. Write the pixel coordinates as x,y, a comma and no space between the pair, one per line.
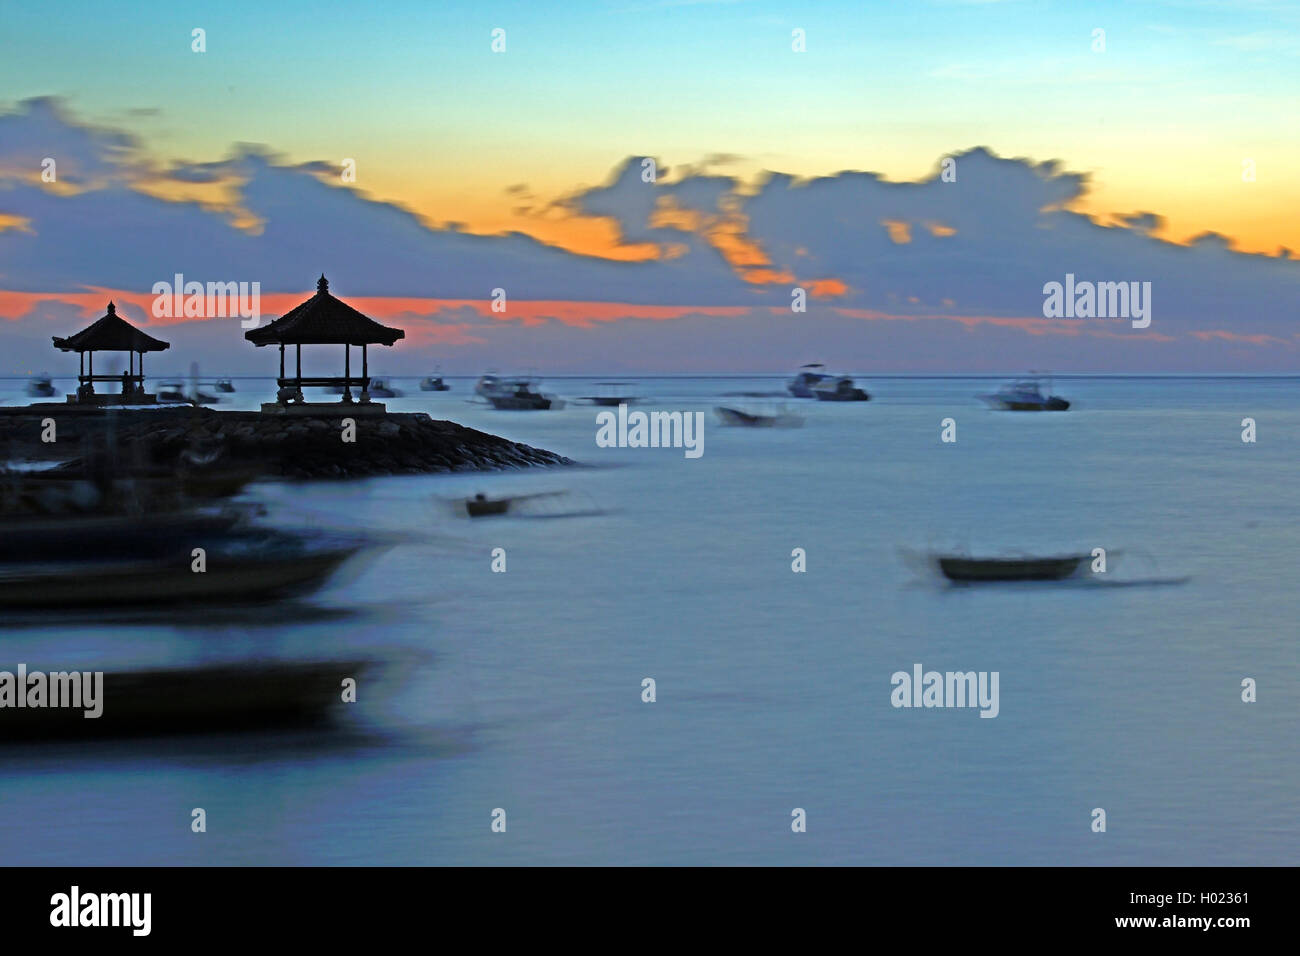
1165,149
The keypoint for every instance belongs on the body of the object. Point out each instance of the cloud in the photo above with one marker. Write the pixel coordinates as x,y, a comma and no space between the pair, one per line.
978,249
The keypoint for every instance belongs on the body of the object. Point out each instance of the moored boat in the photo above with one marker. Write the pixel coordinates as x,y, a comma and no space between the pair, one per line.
519,394
434,383
801,386
839,388
1026,395
40,386
967,569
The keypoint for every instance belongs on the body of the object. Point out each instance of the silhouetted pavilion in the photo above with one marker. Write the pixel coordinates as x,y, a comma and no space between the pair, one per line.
324,320
112,333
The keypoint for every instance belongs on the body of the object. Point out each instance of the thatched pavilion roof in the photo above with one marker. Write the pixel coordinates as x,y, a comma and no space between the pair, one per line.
324,320
112,333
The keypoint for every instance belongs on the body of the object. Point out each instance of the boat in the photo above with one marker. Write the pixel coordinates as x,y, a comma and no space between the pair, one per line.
224,385
80,538
379,388
839,388
801,386
967,569
201,698
1026,395
481,505
519,394
487,383
613,394
738,417
242,566
40,386
434,383
172,393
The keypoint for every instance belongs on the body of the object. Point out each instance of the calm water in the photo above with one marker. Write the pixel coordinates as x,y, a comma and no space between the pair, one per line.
522,690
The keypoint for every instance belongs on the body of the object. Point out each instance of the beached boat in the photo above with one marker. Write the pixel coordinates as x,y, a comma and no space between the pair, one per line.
838,388
1026,396
251,695
434,383
969,569
40,386
801,386
738,417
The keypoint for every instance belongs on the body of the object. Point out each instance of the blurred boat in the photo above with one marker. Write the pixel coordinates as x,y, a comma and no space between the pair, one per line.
971,569
735,416
480,505
40,386
173,392
80,538
614,394
838,388
434,383
518,394
209,698
1026,396
379,388
241,566
224,385
801,386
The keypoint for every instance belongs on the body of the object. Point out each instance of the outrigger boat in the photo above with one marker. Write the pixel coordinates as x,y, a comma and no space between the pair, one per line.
737,417
480,505
613,395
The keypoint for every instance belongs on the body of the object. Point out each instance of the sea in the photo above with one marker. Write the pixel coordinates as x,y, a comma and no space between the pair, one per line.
673,660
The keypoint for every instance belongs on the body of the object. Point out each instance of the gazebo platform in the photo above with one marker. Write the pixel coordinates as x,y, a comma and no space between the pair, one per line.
99,399
333,409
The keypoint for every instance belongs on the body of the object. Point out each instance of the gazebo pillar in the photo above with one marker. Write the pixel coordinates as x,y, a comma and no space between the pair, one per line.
347,373
365,374
298,384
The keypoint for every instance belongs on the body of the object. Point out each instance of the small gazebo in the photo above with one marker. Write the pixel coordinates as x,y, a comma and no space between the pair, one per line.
323,320
112,333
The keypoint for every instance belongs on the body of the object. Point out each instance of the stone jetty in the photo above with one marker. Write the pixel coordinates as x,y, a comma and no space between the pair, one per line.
325,445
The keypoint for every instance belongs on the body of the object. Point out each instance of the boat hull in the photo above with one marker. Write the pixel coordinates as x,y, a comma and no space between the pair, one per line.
233,579
1009,569
221,698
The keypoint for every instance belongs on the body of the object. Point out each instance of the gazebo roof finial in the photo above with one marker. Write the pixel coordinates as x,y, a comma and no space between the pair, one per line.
112,309
323,284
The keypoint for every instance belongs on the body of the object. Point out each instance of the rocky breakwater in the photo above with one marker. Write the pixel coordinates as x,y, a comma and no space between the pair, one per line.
333,445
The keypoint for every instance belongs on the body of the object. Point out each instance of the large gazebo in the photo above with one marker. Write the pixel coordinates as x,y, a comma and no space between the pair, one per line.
323,320
112,333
